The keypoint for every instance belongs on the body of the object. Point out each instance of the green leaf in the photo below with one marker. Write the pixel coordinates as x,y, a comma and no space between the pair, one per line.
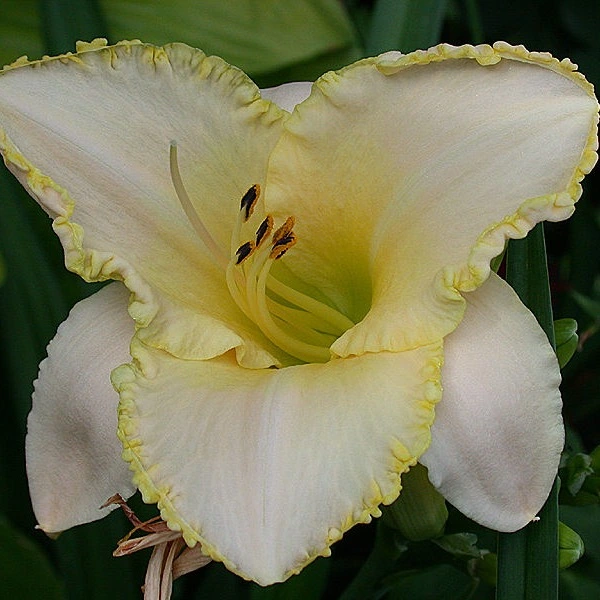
527,273
310,584
216,582
590,306
66,21
32,301
382,561
440,582
565,333
582,580
486,568
528,559
405,25
258,36
32,304
460,545
474,21
579,466
90,570
26,573
19,30
570,546
581,476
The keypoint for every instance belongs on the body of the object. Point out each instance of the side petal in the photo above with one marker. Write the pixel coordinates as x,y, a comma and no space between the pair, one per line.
88,135
498,433
286,96
267,468
406,174
73,454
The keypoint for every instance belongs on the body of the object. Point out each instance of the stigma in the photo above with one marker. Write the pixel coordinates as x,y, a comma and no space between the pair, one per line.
297,323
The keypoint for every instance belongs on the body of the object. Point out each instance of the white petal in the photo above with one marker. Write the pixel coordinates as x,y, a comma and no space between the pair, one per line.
286,96
74,459
88,135
498,433
267,468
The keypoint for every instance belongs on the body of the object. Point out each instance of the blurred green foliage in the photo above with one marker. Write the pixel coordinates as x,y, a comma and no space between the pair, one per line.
277,41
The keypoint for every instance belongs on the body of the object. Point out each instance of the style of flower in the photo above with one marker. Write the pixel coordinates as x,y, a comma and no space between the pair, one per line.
292,271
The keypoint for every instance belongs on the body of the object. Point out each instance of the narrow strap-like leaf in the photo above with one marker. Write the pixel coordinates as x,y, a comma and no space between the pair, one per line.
405,25
528,559
66,21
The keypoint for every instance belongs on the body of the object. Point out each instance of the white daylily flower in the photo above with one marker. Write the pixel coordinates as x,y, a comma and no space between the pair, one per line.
275,394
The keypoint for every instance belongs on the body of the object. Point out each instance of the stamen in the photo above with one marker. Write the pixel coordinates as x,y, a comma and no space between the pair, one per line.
284,231
189,209
282,246
307,325
247,204
264,229
336,319
283,239
298,324
293,346
256,300
244,251
249,200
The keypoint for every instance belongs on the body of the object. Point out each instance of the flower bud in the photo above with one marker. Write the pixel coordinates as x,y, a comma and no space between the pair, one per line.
420,512
570,546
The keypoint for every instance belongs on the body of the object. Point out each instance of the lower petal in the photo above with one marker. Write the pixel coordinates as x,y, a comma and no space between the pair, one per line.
73,454
498,434
267,468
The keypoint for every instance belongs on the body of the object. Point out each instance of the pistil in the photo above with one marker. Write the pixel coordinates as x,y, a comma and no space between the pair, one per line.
189,209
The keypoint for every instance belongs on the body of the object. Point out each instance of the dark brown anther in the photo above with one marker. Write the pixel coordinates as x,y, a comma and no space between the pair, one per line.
264,230
284,231
244,251
248,201
282,245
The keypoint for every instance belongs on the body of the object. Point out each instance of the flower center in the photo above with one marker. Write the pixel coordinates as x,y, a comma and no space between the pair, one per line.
299,324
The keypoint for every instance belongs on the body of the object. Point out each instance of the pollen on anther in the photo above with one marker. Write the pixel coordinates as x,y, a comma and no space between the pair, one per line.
282,245
264,230
248,201
284,231
244,251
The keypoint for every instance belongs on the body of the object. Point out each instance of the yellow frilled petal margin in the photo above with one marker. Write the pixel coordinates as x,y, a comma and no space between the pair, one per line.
267,468
407,174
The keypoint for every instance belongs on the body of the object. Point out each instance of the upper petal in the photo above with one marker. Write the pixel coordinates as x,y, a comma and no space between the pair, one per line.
406,175
267,468
498,433
88,135
74,459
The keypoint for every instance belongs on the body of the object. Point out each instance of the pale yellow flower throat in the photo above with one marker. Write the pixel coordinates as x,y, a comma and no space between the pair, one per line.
297,323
